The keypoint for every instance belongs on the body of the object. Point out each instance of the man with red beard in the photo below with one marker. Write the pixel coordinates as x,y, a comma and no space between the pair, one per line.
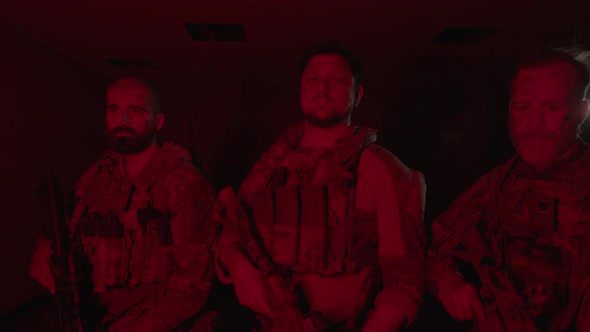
533,212
142,217
341,216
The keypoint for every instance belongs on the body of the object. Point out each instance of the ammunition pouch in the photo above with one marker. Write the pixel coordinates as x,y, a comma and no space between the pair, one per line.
109,195
301,232
540,273
527,213
157,224
151,263
540,266
122,252
104,242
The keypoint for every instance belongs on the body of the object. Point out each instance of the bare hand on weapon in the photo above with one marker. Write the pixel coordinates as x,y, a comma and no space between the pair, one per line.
40,268
249,288
461,300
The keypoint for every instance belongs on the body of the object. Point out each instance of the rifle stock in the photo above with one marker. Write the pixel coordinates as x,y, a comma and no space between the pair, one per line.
69,270
280,294
505,308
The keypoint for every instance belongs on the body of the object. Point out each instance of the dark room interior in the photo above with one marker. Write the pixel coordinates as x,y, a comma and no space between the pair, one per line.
435,87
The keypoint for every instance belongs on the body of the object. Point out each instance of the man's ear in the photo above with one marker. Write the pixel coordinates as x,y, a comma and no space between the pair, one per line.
584,110
160,119
358,95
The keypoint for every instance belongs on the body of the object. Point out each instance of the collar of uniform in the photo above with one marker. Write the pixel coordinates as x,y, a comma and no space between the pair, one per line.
350,131
165,149
556,170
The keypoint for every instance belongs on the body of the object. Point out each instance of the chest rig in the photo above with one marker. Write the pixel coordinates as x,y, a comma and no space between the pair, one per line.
304,210
545,224
123,224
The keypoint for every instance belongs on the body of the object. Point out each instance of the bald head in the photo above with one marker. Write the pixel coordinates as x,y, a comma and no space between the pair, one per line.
132,83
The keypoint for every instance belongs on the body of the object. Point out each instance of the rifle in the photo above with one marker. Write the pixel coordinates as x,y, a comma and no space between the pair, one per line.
505,309
69,270
280,294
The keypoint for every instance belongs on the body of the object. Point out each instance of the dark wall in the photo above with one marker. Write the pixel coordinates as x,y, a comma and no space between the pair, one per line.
433,113
49,113
441,110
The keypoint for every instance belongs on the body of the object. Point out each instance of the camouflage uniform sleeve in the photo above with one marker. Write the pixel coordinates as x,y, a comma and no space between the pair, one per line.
470,206
400,198
194,234
230,238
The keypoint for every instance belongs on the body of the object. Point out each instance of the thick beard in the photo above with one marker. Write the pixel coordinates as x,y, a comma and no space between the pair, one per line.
329,122
136,143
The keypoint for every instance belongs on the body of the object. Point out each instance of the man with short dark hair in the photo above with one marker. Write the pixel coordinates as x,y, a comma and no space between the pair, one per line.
347,216
533,212
142,218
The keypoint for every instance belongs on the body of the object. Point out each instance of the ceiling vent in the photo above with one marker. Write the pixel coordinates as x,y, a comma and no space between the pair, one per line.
216,32
133,64
464,36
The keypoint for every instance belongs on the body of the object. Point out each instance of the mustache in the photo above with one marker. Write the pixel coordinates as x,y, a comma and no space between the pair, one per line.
124,130
537,134
323,96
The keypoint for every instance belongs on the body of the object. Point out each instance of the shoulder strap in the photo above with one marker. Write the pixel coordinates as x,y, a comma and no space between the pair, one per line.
261,174
502,174
168,157
106,164
494,233
350,149
352,146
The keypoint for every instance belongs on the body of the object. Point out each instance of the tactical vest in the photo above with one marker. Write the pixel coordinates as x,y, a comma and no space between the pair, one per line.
543,228
315,228
120,226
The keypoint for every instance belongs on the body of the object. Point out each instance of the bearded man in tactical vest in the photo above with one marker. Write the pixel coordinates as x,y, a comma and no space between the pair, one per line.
340,216
532,213
142,217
